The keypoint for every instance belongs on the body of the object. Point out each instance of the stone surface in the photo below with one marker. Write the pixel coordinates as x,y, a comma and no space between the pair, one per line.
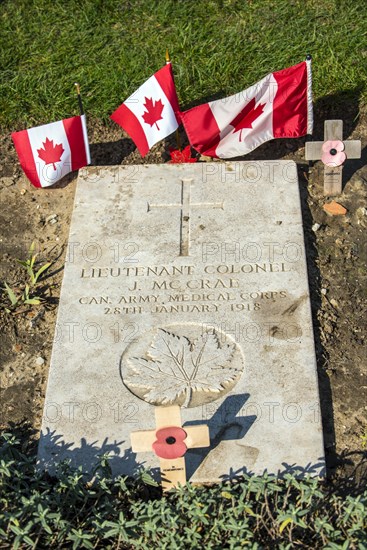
186,285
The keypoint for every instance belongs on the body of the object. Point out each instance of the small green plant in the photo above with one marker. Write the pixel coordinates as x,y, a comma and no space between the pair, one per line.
27,299
12,296
29,265
364,439
27,296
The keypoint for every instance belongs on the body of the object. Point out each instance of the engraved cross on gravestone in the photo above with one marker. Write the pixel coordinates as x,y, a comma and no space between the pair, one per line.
185,206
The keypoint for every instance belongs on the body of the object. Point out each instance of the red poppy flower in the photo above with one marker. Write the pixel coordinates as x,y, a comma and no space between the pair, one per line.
170,443
179,157
333,153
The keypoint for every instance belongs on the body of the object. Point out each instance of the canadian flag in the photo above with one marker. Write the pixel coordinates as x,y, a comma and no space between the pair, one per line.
278,106
49,152
152,112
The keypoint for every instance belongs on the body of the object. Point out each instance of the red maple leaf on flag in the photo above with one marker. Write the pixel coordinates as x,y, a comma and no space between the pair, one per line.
50,153
154,111
246,117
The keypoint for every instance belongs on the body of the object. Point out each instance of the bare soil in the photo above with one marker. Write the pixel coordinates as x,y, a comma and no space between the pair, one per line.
336,254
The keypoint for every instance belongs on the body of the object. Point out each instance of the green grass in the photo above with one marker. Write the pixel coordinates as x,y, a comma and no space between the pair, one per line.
217,48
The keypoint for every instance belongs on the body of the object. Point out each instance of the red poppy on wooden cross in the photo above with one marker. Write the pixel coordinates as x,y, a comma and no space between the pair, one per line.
333,152
170,441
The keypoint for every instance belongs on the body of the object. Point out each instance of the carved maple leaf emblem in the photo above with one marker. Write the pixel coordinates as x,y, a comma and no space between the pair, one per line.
247,116
50,153
174,367
154,111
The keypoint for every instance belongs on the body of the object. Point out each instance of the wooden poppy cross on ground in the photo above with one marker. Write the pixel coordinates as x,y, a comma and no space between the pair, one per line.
333,152
169,441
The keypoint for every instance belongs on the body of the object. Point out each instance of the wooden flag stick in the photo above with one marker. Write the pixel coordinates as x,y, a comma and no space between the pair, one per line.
77,87
178,141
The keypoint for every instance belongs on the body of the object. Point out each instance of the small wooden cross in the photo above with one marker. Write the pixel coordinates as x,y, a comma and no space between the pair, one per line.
333,132
169,441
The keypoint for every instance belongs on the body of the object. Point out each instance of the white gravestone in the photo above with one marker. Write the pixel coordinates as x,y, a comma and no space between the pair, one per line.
186,285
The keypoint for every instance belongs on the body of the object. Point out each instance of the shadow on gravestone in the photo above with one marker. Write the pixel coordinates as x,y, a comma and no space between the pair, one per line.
314,282
352,481
299,472
86,455
223,426
316,469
